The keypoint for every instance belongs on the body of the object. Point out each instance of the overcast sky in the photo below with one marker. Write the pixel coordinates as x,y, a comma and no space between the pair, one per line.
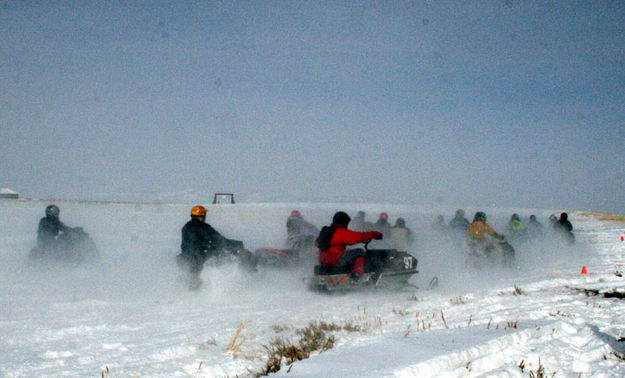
506,103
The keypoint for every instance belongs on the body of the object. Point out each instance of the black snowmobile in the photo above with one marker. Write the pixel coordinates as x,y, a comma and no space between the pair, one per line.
492,252
73,245
393,270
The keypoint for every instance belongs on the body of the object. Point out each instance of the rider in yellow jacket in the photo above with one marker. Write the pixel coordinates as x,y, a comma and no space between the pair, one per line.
480,234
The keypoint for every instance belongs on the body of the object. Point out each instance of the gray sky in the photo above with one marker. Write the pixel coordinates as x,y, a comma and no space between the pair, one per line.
506,103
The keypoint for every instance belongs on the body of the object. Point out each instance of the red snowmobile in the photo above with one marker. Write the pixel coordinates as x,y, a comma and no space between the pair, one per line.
302,249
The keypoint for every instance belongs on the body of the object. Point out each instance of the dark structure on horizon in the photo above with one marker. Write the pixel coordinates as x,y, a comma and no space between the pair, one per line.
8,194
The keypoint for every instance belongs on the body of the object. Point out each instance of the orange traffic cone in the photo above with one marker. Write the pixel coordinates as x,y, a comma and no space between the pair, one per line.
584,270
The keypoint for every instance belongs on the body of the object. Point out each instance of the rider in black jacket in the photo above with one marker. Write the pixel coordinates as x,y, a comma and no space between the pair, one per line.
564,226
50,230
200,241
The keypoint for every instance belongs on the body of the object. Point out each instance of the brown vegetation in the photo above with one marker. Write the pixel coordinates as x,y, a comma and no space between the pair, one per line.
312,338
603,216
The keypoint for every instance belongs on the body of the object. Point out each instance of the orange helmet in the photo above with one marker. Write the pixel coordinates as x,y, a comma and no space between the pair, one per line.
198,211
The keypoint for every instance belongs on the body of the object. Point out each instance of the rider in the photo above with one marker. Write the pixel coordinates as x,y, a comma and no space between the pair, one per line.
439,224
401,236
515,227
534,227
382,225
480,234
360,224
51,231
200,241
564,223
564,226
333,239
553,219
300,233
459,222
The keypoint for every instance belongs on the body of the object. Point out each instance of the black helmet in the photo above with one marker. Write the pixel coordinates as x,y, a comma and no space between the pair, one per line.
515,217
479,216
564,216
341,218
532,217
53,211
400,222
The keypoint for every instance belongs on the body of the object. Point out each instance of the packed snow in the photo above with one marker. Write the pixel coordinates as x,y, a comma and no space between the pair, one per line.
130,313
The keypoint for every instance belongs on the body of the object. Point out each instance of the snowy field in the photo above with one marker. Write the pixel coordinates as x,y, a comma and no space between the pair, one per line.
129,314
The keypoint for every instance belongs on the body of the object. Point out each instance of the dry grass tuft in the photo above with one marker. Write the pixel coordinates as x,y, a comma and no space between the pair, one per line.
512,324
400,312
279,328
619,356
459,300
351,327
443,318
312,338
107,370
518,291
328,327
540,372
237,340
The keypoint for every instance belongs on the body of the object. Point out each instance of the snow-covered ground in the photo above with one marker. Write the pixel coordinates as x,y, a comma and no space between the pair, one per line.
130,315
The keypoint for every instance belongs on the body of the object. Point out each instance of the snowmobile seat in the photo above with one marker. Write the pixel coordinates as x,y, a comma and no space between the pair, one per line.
329,269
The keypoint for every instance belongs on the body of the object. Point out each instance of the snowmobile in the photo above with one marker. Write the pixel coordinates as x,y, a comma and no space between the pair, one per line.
274,257
519,237
74,245
393,271
300,251
491,252
565,236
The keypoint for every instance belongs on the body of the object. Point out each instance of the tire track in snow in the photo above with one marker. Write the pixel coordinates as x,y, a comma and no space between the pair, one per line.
574,348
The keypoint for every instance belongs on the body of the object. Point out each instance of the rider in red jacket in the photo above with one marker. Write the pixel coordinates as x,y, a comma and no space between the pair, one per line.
333,239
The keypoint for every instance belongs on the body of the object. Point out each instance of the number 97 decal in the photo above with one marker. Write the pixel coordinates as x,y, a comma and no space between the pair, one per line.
408,262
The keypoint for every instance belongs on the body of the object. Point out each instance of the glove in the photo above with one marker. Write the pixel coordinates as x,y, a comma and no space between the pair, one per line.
377,235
